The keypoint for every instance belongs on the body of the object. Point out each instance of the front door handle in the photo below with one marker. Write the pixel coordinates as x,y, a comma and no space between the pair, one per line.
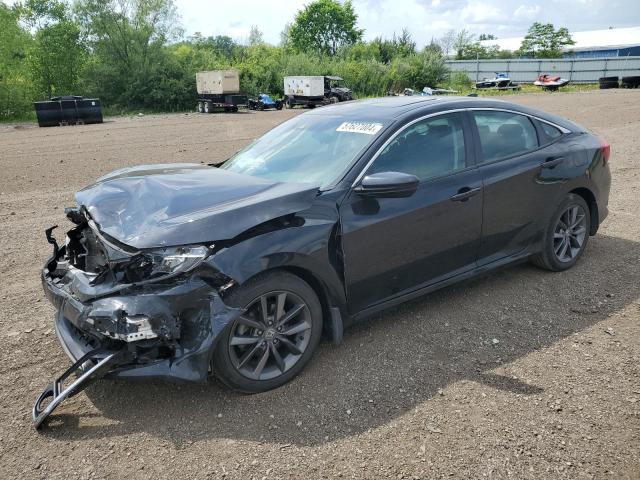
552,162
465,193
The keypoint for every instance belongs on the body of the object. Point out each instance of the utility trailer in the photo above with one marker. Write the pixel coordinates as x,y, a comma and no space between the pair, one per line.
314,91
219,89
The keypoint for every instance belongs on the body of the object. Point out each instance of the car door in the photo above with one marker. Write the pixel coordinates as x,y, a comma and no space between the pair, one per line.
392,246
518,190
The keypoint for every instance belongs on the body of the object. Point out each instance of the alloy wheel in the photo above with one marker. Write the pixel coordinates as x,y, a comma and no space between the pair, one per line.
271,336
570,233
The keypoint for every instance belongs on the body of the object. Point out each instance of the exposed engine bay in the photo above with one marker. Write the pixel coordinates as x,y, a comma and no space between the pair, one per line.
149,312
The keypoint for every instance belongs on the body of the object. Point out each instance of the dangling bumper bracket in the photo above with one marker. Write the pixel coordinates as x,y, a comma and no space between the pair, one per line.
95,364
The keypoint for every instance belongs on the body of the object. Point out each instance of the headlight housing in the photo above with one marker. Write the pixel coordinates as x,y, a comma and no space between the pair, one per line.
178,259
166,261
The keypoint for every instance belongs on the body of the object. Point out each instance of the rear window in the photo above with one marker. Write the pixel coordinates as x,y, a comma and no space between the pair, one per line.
504,134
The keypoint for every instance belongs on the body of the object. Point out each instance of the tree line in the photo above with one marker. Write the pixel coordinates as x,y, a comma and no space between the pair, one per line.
133,54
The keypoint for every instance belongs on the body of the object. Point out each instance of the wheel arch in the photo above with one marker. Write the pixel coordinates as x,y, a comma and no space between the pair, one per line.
594,217
330,307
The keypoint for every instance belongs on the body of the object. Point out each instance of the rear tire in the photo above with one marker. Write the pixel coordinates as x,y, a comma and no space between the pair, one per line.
207,107
608,82
256,338
566,235
200,107
607,85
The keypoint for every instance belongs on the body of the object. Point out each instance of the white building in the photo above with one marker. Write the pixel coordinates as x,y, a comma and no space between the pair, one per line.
612,42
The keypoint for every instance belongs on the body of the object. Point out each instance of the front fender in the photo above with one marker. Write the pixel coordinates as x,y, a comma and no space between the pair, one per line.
308,247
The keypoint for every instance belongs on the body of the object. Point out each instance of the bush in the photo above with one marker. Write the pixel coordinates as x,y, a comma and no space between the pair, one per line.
460,81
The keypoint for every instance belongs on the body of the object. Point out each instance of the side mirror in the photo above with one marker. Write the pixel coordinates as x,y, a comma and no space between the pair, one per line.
388,184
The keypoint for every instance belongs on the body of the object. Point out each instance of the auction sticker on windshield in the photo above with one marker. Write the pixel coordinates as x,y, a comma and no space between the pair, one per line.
360,127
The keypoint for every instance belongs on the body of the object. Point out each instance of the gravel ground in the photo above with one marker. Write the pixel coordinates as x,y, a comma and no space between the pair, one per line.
519,374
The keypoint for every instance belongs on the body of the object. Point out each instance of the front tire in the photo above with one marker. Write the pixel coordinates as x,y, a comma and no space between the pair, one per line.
274,339
566,235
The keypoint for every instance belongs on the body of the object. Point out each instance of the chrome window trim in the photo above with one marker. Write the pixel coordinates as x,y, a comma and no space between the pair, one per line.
445,112
548,122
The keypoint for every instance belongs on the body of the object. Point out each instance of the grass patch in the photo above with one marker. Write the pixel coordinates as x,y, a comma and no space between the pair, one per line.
525,88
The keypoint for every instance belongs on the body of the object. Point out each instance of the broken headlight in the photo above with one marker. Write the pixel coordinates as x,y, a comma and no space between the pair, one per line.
178,260
165,261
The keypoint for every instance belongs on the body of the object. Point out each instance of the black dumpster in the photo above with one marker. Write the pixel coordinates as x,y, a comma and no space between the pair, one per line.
49,113
68,110
89,110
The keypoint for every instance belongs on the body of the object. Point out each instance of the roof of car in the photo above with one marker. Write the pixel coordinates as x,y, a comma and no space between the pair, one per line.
386,108
393,108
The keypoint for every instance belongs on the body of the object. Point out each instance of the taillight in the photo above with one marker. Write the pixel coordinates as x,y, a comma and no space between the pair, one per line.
605,148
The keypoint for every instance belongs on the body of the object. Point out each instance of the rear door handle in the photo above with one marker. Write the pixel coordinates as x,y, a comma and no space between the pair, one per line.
552,162
465,193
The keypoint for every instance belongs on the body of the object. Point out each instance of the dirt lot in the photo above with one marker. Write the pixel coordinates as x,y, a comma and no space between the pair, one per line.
522,374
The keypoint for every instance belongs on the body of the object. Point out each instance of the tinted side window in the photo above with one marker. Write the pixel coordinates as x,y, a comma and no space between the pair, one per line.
429,148
504,134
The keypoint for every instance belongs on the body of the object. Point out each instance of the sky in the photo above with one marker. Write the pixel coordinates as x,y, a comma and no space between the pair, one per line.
425,19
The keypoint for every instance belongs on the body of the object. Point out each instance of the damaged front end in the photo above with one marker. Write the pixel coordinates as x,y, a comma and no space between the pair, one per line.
123,312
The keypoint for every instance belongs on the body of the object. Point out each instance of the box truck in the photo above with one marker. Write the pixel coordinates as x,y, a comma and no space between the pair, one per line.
219,89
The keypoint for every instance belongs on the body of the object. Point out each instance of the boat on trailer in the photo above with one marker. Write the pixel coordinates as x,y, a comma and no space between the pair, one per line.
501,81
550,82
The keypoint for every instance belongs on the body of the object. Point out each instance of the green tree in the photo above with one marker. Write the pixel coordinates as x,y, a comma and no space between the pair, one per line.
474,50
544,41
401,45
462,41
57,54
324,26
285,38
256,37
128,38
446,42
424,69
434,47
15,84
225,45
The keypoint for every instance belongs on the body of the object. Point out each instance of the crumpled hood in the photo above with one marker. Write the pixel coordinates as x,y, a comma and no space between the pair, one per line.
178,204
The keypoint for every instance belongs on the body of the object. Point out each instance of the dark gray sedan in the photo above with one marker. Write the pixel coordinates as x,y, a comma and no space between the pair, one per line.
187,271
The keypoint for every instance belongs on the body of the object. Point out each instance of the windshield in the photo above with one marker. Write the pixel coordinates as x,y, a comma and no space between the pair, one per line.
316,149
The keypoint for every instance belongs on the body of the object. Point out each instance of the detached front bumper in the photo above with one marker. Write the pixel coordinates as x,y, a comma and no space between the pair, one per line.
169,330
160,328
